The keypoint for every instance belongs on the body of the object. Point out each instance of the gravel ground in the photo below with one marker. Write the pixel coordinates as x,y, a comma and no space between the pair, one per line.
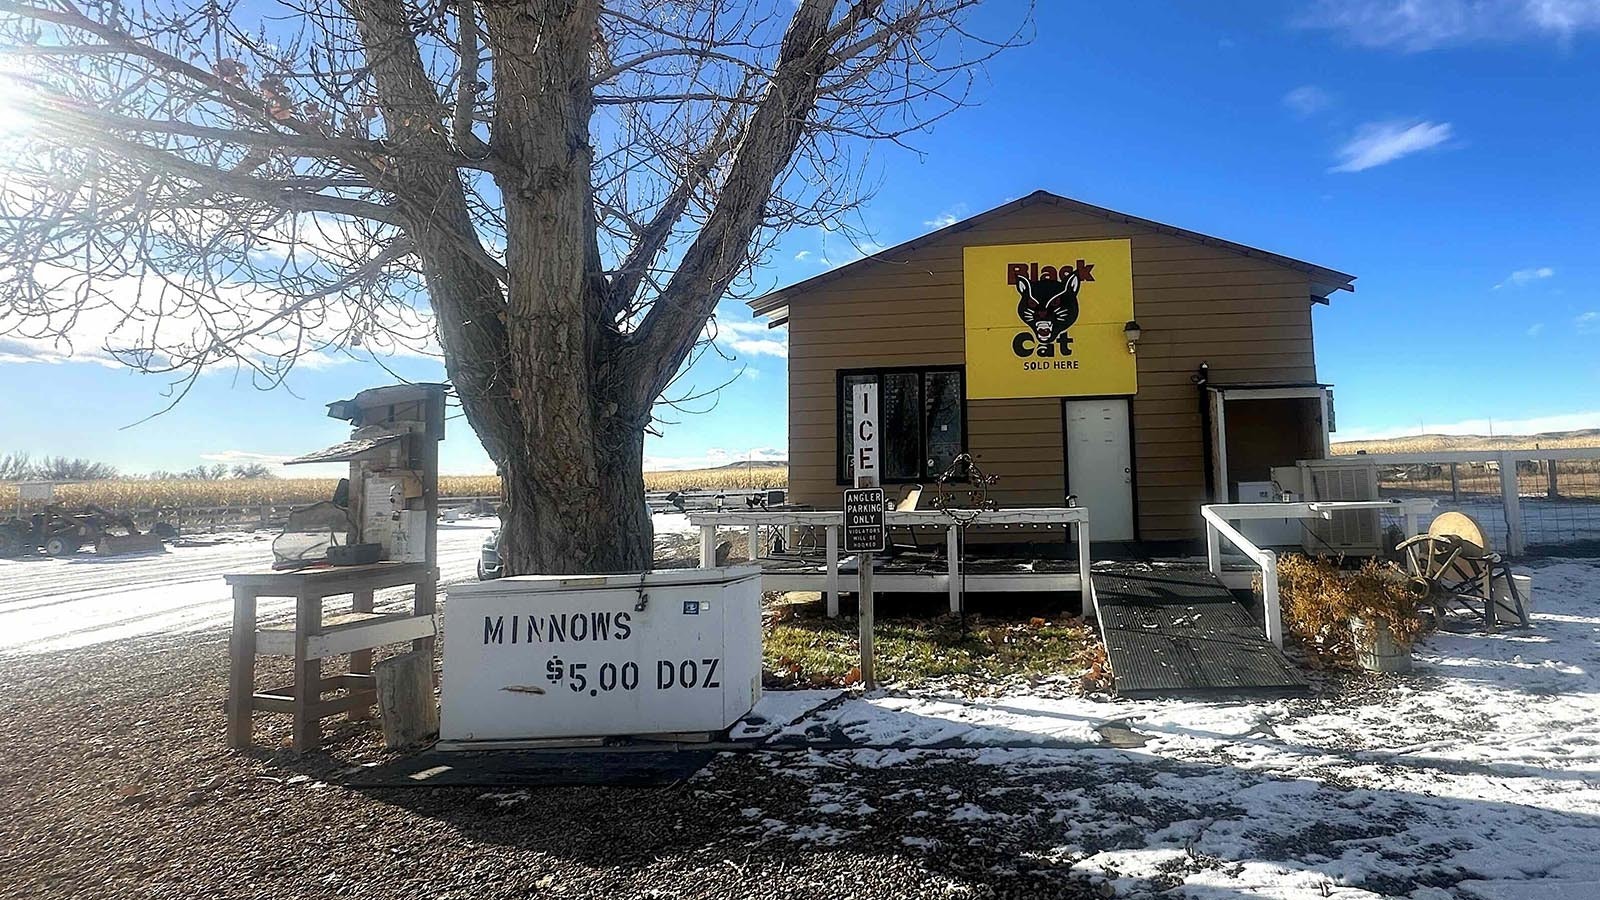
115,783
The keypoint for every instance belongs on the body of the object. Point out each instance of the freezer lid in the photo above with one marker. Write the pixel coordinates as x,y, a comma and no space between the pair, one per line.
539,584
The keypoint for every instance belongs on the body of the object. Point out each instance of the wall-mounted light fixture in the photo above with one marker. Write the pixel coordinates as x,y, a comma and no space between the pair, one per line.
1132,331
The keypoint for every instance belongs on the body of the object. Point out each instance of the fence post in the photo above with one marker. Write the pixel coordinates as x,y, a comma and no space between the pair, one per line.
1511,500
1271,607
952,553
832,583
708,546
266,515
1553,491
1455,484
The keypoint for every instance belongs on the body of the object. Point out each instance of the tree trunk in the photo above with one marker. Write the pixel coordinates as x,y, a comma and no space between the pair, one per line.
552,524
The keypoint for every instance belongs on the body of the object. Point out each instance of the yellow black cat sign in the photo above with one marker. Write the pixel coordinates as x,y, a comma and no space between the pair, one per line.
1046,320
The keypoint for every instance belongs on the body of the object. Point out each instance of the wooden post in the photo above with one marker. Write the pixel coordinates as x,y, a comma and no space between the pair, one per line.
864,618
833,570
952,550
425,602
1455,483
307,671
1552,490
242,667
753,543
866,424
360,660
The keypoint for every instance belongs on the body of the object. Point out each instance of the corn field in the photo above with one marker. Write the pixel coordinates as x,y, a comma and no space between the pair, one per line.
142,494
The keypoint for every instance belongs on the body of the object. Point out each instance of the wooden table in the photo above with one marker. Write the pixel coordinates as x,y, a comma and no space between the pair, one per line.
314,637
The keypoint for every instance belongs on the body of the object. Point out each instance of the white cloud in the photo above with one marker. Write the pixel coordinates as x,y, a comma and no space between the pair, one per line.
949,217
857,250
1307,99
803,255
750,338
1499,427
1376,143
1535,329
1523,276
1416,25
1587,322
276,461
716,456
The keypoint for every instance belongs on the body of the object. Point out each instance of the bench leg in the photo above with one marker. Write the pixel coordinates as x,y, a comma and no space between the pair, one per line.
425,603
361,660
307,674
241,668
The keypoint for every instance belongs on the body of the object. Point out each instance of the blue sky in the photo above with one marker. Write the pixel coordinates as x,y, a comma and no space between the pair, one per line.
1445,152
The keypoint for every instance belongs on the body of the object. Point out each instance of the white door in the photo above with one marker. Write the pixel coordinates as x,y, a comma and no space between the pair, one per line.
1100,465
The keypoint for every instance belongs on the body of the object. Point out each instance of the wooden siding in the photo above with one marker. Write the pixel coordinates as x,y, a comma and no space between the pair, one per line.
1249,318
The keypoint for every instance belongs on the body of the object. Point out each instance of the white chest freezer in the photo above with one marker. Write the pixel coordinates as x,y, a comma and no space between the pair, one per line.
534,657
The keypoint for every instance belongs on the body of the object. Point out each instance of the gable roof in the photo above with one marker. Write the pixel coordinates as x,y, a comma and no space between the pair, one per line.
1324,281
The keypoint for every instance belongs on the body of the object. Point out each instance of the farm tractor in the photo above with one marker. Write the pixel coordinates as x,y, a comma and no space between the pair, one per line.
60,532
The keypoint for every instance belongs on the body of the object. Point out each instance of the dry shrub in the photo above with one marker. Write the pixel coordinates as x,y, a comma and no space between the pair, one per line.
1320,599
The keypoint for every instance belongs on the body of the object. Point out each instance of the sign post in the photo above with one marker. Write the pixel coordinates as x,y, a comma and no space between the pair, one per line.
863,516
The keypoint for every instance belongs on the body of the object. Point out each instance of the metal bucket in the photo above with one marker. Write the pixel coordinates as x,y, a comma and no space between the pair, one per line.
1505,609
1378,651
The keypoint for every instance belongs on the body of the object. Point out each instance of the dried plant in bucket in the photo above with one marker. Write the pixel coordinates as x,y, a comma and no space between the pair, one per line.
1339,615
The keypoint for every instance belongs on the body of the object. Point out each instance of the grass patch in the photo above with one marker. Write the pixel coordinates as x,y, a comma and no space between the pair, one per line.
975,654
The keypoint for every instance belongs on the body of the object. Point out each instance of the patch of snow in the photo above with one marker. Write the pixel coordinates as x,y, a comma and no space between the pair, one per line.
775,710
672,523
1477,778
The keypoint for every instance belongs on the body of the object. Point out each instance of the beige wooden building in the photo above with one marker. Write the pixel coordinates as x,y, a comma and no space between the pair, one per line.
1143,368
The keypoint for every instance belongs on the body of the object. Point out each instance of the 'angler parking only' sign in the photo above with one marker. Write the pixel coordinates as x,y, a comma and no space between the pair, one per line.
863,520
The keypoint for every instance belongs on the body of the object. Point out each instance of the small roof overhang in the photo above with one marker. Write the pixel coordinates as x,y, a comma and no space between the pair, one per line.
346,451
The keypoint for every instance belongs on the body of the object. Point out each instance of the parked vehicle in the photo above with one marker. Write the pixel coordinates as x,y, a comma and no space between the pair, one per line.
59,532
489,557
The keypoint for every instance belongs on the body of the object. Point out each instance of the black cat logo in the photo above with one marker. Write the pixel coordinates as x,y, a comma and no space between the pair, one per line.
1049,308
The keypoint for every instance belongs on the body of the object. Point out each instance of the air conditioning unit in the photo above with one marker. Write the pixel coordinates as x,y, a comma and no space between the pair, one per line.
1356,532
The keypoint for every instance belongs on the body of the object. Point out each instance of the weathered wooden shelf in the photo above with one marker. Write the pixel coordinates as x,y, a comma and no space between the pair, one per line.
347,633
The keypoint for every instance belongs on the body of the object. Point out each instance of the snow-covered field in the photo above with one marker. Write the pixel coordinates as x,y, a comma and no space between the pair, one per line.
1477,777
49,604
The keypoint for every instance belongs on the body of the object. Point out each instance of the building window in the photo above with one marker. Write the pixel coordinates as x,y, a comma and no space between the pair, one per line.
922,421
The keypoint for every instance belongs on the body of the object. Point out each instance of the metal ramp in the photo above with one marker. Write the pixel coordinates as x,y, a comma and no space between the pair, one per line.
1171,634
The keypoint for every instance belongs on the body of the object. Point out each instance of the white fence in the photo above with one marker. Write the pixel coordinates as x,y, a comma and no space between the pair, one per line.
832,580
1546,500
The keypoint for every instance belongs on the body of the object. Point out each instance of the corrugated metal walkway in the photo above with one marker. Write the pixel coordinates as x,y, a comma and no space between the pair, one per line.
1183,634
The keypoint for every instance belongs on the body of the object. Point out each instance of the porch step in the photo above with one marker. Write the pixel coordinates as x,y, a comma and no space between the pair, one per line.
1171,634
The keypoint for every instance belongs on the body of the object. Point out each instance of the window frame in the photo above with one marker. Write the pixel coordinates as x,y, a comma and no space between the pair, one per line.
877,372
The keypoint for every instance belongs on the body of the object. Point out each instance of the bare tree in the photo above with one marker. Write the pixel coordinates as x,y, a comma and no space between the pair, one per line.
15,467
60,468
554,194
253,471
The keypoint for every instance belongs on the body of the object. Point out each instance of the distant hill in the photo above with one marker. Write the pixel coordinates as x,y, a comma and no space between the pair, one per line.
1427,443
754,464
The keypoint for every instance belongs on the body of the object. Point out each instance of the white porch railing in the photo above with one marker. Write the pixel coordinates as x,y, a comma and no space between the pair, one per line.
832,521
1219,519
